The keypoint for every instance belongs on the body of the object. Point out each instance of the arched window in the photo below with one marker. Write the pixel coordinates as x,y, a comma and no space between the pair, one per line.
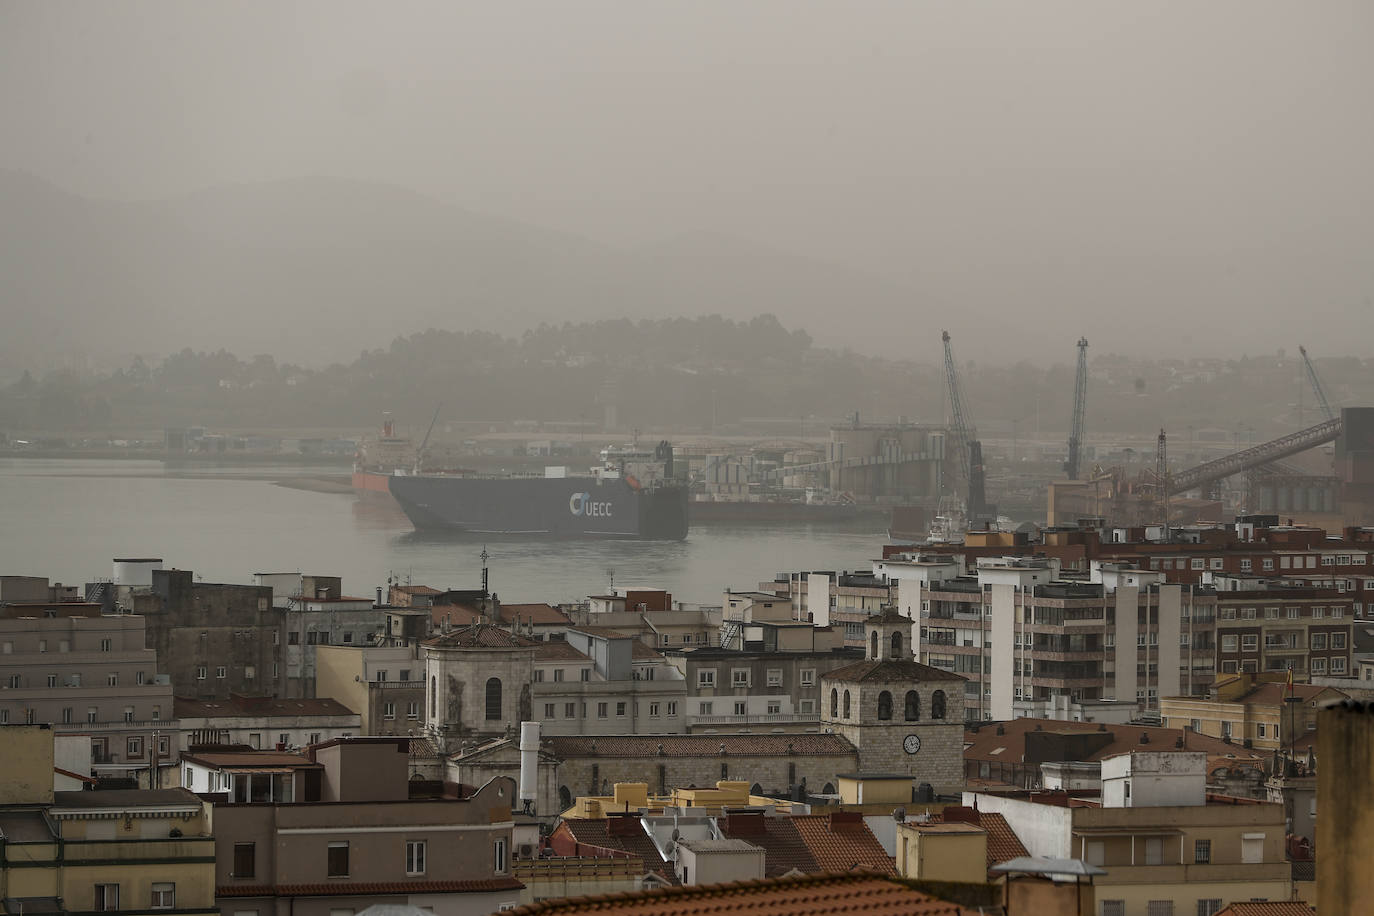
565,798
873,645
897,644
756,789
937,704
846,704
834,702
433,697
828,789
493,699
913,706
884,705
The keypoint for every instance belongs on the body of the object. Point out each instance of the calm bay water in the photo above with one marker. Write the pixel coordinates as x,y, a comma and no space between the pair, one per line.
67,519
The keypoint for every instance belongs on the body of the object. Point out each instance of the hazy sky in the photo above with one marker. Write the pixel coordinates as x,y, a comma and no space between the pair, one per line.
1084,160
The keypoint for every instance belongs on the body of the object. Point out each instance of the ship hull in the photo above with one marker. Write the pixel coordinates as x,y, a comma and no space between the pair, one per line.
538,507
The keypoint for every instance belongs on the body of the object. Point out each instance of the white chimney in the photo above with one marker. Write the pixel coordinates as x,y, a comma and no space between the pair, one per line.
529,764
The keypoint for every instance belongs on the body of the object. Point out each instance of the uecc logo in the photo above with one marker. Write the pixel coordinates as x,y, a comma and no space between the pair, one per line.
582,504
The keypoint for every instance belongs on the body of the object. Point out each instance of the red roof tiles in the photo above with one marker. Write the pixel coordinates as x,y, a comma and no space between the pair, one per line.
1003,843
811,895
565,746
839,843
538,614
1270,908
891,670
481,636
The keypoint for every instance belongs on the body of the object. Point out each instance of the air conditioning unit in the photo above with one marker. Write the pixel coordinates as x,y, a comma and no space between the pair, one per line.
526,850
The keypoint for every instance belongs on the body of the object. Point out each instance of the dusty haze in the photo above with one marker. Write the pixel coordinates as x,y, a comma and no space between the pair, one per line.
1166,178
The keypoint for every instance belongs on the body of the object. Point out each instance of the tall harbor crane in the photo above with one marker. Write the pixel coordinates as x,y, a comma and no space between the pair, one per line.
1322,402
1080,401
961,425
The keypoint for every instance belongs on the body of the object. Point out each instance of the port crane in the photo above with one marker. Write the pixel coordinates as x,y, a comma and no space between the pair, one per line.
1322,402
1080,400
960,423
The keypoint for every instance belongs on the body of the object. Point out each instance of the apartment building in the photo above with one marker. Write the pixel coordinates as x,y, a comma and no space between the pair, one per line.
131,850
601,681
263,722
384,683
86,673
843,600
1277,624
1031,641
773,681
1254,711
345,827
320,615
1167,846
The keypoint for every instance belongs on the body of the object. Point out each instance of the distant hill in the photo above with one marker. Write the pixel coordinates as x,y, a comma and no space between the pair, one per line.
314,270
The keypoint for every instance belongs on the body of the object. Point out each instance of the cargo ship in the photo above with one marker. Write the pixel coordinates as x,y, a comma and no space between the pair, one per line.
630,494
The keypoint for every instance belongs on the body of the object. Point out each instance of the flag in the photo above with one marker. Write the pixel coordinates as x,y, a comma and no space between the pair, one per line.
1290,679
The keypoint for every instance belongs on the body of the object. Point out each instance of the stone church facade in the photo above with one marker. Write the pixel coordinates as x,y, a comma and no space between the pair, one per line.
901,716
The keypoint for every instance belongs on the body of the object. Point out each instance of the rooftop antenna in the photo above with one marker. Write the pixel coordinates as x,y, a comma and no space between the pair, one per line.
484,556
611,573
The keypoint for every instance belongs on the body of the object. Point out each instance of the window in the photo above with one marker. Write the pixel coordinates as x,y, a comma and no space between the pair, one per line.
112,679
653,710
558,674
1318,666
415,857
937,704
312,637
107,645
807,707
774,677
1247,613
538,675
493,699
1159,908
1268,563
586,675
245,860
76,680
1251,848
808,677
672,709
1271,613
338,860
1246,564
884,705
1206,906
1294,612
107,897
1260,730
846,704
388,710
620,708
413,709
1318,640
499,851
220,672
1318,612
774,707
1228,643
1337,611
706,707
1199,563
1338,665
834,702
1202,852
348,637
1249,642
293,638
602,710
740,708
548,710
134,747
52,680
200,672
570,710
92,714
1113,908
739,677
66,715
1338,640
1096,852
706,677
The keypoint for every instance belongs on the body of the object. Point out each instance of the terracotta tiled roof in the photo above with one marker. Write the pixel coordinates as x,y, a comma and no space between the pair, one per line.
237,705
642,652
984,744
864,894
784,847
458,615
1274,694
416,589
840,843
892,670
475,886
556,649
1272,908
480,636
604,632
270,759
597,833
540,614
1003,843
566,746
